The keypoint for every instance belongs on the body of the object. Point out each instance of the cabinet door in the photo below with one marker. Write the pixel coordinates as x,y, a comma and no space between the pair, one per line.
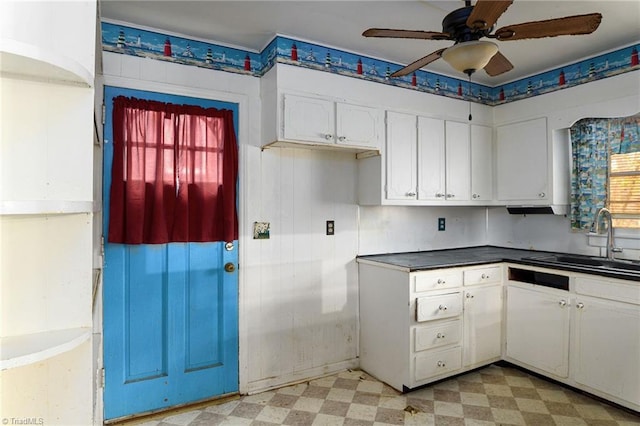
458,161
308,119
358,125
482,324
481,163
401,156
538,329
431,159
608,347
522,161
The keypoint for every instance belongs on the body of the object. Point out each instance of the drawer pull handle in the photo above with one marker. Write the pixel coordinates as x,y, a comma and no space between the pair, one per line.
441,364
440,336
580,305
442,307
562,303
441,281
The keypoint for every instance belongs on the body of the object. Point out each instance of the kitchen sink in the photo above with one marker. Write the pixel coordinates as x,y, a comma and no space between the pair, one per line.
593,262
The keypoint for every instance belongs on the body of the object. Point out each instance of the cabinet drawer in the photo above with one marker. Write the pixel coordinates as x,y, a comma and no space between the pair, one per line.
425,281
431,364
623,291
438,307
491,274
440,334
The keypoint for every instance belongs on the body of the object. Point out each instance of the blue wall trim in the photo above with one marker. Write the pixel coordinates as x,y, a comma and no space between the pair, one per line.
129,40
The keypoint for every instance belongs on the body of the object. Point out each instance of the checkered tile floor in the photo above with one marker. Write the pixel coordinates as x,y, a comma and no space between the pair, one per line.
495,395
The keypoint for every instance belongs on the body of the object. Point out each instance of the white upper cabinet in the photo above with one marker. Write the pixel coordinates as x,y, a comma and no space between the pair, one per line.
458,162
358,125
327,122
431,160
401,151
481,163
427,161
522,162
443,160
308,119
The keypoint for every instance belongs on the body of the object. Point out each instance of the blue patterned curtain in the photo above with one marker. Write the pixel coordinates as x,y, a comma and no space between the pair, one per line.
592,139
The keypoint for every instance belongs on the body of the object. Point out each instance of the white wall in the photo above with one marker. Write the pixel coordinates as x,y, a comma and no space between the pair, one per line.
392,229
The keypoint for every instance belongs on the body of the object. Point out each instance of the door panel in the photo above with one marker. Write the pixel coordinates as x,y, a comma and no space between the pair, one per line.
170,310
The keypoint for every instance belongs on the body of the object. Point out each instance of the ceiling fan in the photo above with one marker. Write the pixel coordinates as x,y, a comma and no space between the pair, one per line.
467,25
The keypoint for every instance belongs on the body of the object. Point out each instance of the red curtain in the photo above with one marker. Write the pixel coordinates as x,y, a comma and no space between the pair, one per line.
174,173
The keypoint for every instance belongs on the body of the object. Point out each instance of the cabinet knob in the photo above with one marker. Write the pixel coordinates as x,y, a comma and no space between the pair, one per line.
441,281
410,194
451,195
484,276
580,305
470,296
342,138
476,195
442,307
328,136
542,195
441,364
439,195
440,336
562,303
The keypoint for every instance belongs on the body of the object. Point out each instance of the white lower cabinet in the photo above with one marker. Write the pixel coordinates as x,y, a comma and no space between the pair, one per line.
538,328
607,339
587,337
414,327
419,327
482,324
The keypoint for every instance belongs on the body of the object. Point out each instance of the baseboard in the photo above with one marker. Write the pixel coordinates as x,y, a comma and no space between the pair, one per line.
300,376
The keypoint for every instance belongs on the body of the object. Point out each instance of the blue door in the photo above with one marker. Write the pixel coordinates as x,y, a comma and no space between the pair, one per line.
170,310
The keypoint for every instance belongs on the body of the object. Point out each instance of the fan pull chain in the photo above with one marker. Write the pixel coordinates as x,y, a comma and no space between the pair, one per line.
470,95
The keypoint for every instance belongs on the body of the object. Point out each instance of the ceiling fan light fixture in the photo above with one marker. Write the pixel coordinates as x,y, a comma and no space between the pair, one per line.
470,56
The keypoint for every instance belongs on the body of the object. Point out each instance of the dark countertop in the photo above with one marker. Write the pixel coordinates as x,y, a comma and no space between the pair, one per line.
469,256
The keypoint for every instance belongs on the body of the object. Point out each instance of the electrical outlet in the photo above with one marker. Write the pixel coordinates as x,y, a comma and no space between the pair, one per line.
330,227
441,224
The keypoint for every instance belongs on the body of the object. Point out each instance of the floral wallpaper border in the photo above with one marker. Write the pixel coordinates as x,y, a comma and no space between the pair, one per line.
133,41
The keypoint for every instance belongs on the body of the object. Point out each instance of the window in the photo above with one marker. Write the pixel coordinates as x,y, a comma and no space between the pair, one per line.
606,171
174,174
624,190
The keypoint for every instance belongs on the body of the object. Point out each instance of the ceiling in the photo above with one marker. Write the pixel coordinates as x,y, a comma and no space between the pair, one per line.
339,23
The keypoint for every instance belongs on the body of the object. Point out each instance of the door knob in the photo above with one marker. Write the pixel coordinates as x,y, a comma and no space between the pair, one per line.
229,267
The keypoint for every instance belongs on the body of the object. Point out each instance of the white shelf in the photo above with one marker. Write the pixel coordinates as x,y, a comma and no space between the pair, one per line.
18,351
23,60
45,207
361,152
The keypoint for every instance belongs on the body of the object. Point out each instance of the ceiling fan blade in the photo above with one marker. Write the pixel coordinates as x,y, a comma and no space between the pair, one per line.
498,65
485,13
416,65
569,25
424,35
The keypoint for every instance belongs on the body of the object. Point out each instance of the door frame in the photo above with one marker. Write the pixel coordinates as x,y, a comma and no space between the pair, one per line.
243,137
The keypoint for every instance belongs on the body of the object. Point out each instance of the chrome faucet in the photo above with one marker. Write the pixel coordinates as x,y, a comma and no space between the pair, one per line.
606,214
